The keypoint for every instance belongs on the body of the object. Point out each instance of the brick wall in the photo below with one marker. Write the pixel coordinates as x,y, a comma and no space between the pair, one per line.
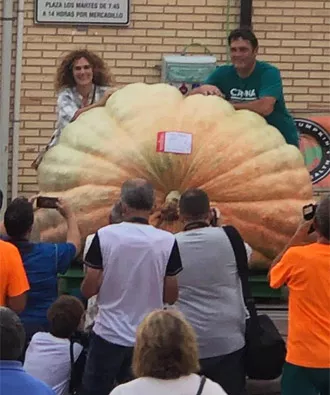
294,35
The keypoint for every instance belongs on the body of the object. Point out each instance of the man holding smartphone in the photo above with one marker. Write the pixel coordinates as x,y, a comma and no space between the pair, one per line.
305,269
42,261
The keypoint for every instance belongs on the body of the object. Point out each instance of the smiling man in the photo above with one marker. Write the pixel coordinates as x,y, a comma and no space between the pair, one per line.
251,84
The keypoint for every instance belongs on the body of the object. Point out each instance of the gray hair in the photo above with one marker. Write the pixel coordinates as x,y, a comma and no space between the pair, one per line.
12,337
116,215
138,194
322,217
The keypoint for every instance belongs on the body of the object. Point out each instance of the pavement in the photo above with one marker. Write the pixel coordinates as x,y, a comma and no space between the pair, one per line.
272,387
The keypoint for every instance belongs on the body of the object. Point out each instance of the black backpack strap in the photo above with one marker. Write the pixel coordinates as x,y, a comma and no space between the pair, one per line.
71,386
201,385
242,268
94,93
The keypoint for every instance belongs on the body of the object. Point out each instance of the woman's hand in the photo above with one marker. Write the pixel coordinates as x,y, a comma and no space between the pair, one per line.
106,95
79,112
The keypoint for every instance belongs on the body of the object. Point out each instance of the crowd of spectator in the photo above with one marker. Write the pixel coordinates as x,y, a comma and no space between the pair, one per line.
159,312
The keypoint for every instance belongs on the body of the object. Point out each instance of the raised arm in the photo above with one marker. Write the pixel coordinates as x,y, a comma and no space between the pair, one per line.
94,269
73,232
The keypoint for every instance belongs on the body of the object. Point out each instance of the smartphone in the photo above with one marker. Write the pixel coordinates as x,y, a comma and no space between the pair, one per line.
47,202
309,211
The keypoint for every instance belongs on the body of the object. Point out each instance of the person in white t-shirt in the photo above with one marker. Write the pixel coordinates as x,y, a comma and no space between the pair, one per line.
48,355
132,267
165,359
116,217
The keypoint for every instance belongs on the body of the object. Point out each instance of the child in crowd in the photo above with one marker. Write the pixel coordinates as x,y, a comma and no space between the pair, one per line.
51,356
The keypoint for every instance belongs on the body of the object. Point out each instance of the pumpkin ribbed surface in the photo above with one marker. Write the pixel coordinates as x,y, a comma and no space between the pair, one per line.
258,182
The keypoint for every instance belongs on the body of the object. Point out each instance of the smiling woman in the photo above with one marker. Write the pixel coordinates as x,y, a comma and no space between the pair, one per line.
83,81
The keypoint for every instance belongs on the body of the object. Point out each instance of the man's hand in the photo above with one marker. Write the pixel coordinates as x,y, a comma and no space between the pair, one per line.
207,90
302,233
64,208
32,200
109,92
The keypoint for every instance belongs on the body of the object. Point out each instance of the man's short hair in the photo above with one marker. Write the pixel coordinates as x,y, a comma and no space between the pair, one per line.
245,34
322,217
12,335
18,218
138,194
64,316
194,204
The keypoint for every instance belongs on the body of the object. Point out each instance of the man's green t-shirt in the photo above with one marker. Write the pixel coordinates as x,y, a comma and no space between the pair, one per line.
264,81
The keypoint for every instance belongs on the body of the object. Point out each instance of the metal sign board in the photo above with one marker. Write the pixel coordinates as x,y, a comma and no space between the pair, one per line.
82,12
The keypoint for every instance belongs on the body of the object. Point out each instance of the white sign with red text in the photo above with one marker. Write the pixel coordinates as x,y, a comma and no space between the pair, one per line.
174,142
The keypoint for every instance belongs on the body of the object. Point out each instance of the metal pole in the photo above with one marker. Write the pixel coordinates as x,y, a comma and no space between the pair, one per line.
246,13
17,98
7,27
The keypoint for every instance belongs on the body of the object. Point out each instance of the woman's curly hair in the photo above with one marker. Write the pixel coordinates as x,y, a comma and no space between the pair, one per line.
64,75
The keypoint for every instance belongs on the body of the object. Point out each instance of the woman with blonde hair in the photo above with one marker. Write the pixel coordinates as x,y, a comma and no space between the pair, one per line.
165,359
82,82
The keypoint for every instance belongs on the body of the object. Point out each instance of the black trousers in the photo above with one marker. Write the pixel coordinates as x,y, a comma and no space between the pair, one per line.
106,365
226,370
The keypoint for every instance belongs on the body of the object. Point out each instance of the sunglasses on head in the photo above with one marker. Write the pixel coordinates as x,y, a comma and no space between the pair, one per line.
79,68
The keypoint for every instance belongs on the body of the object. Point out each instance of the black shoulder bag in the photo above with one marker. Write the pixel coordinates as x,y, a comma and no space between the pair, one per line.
265,348
78,366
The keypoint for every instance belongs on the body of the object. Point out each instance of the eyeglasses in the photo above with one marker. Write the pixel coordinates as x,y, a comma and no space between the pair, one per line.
79,68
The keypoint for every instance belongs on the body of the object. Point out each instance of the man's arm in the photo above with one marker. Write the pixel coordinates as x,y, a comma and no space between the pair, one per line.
280,269
92,282
212,85
73,233
174,266
94,272
270,91
300,237
17,303
263,106
171,290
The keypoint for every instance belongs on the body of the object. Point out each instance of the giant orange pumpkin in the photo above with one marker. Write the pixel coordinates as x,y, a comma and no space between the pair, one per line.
258,182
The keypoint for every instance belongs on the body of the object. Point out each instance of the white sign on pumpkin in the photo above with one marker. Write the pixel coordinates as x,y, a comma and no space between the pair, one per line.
82,12
174,142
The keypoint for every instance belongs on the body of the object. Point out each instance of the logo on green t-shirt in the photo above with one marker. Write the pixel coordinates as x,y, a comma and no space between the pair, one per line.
236,94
